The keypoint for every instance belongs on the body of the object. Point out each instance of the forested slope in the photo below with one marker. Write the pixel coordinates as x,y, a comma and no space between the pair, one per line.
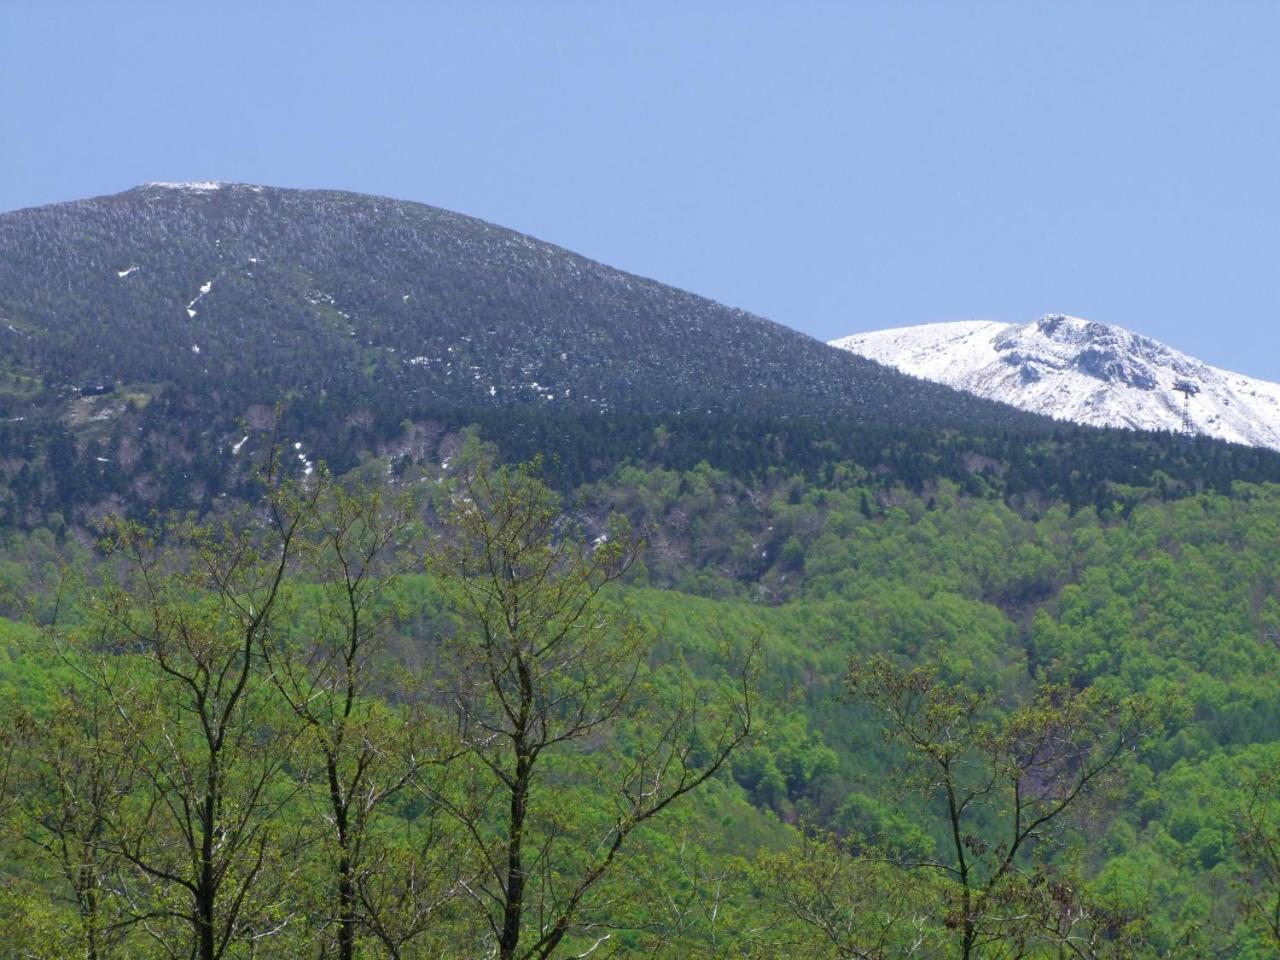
158,323
1176,600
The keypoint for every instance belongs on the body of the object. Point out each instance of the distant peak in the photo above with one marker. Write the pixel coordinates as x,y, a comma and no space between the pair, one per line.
1082,370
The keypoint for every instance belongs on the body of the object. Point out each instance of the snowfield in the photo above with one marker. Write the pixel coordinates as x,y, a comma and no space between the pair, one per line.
1081,371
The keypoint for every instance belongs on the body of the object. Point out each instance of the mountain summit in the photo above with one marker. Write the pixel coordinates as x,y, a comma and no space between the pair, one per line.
255,293
1086,372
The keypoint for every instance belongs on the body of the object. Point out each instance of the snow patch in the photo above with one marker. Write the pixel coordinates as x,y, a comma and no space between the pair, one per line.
204,289
198,186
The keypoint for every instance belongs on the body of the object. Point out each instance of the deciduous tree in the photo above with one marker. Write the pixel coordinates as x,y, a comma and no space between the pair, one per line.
1004,782
541,668
208,748
363,718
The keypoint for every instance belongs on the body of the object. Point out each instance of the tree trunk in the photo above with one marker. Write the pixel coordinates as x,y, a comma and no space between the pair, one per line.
346,911
347,920
513,907
206,889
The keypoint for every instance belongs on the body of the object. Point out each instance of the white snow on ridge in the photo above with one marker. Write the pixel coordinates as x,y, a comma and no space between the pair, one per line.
196,185
1077,370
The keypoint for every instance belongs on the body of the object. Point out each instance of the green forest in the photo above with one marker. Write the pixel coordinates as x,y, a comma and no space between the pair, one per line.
669,710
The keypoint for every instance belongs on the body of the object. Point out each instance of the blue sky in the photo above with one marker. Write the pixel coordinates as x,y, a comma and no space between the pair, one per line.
836,167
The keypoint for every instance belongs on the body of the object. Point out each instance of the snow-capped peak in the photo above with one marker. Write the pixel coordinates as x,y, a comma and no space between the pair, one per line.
1079,370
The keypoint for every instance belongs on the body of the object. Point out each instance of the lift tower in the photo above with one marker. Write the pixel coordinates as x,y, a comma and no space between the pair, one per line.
1188,390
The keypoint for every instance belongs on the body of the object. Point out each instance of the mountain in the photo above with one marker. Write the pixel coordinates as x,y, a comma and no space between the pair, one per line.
1077,370
241,294
156,343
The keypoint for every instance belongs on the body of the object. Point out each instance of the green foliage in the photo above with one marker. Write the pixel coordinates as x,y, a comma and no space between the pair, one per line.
1163,599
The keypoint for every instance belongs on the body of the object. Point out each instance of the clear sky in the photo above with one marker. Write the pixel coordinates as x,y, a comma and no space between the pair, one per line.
836,167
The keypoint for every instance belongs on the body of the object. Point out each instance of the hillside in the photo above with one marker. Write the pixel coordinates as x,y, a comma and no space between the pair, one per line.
1085,372
243,293
1163,599
148,339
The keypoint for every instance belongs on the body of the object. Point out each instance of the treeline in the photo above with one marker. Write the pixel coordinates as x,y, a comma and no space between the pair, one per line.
151,454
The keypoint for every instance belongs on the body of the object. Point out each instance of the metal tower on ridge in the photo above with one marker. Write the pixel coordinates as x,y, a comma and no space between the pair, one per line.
1188,390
